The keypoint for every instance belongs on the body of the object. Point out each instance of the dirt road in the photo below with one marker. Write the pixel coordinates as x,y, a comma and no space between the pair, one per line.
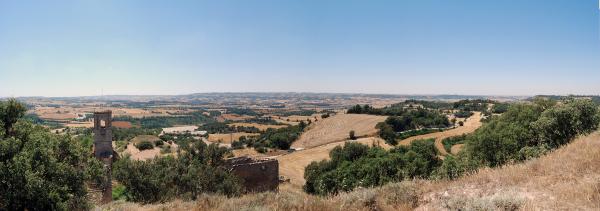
470,125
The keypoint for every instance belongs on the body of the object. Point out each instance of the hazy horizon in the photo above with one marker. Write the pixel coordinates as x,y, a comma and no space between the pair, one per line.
410,47
333,93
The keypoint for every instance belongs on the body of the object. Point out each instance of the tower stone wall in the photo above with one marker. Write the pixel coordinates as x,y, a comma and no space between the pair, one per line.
103,149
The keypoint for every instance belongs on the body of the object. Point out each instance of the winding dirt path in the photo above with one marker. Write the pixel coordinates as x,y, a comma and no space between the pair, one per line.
471,124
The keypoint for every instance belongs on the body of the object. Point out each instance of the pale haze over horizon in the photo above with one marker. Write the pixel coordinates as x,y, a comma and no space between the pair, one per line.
140,47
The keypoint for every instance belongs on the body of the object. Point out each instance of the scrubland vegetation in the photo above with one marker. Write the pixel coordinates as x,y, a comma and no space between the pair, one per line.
356,165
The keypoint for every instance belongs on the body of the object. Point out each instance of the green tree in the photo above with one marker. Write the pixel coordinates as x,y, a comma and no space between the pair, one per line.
40,170
197,169
10,112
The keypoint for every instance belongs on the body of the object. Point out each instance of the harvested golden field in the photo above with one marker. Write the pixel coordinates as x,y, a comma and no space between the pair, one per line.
229,137
292,165
256,125
74,124
566,179
336,129
470,126
66,112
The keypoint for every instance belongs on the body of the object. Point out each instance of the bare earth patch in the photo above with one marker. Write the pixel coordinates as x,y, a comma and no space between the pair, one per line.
456,148
336,129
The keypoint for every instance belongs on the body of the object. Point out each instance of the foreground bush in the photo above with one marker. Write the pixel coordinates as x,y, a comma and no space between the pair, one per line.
194,171
356,165
40,170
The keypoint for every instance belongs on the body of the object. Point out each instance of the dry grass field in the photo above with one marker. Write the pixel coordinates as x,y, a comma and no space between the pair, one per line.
470,125
66,112
336,129
233,117
121,124
292,165
566,179
256,125
228,138
75,124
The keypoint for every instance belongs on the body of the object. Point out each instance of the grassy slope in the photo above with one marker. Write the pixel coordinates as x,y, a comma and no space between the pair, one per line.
566,179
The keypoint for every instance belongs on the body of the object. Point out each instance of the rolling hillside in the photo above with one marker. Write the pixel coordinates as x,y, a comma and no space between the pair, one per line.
566,179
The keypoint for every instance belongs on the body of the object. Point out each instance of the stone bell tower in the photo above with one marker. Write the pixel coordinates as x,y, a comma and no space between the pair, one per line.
103,149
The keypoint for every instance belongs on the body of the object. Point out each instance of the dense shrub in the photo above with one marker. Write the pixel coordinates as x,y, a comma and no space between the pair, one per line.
281,138
500,108
144,145
356,165
195,170
463,114
352,135
411,123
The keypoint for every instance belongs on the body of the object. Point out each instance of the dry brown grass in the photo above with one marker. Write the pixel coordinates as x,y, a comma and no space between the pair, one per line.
233,117
336,129
400,196
456,148
566,179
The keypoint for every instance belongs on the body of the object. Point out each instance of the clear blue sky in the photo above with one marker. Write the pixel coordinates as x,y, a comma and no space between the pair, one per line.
496,47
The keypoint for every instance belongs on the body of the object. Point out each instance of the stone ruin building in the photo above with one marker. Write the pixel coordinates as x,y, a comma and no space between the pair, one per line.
103,150
258,175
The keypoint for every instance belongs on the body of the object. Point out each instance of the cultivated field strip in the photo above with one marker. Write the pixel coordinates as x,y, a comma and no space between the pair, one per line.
337,128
